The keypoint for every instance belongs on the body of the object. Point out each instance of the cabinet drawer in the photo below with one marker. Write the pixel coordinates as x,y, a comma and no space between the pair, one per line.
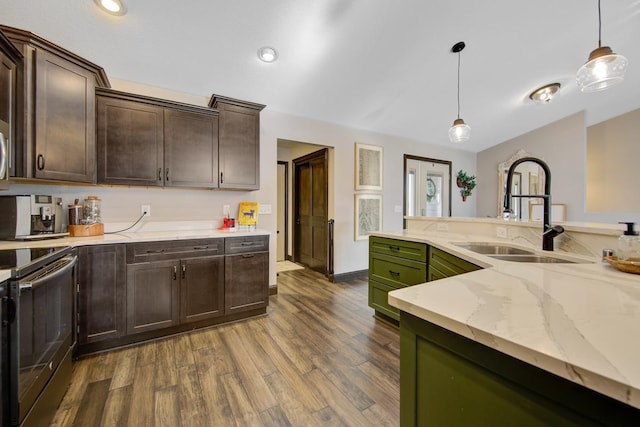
400,248
239,245
378,299
448,264
159,251
396,271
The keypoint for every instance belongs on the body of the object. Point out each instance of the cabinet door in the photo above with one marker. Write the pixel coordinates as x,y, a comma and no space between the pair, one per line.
246,282
130,143
152,296
7,115
65,120
101,294
201,288
190,149
239,145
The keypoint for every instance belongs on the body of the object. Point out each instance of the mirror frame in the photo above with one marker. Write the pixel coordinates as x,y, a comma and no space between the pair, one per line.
503,168
404,182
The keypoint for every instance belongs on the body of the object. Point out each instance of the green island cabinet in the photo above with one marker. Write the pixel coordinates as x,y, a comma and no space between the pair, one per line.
449,380
395,263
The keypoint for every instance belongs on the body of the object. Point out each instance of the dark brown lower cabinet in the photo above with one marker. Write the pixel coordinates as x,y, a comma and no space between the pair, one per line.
246,282
201,288
139,291
101,293
152,296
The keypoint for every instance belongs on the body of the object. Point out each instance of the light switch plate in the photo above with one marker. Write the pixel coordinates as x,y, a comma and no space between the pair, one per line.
264,209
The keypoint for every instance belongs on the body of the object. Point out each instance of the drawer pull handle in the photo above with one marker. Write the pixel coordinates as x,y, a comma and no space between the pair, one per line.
40,162
248,256
156,252
246,243
199,248
394,248
394,273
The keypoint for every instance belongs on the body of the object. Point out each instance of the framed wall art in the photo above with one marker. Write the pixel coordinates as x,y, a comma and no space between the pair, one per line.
368,167
368,215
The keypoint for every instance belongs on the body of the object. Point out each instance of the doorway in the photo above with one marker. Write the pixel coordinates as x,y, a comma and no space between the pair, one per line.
427,187
283,218
310,210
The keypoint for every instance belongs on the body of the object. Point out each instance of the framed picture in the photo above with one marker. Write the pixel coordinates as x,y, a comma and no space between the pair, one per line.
368,167
248,213
533,183
368,215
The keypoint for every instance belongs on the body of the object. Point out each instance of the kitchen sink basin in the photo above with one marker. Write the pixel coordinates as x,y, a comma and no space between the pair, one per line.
533,258
493,249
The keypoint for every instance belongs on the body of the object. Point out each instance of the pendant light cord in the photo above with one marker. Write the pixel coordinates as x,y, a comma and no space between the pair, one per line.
599,26
459,83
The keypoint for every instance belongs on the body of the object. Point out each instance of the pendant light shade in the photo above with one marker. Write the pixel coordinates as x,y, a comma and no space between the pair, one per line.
459,131
604,68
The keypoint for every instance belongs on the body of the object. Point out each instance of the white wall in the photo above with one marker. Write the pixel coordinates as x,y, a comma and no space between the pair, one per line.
122,204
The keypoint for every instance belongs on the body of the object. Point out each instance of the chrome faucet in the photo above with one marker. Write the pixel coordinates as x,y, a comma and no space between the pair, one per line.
548,231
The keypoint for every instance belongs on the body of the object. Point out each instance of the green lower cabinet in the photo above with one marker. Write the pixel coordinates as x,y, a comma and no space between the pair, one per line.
449,380
379,300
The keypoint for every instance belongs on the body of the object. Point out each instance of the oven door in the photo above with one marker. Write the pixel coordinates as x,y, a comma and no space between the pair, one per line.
43,332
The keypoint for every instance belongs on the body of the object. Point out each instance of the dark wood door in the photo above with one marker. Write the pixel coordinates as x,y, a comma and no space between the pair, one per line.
310,210
65,120
246,282
101,294
7,114
190,149
201,288
152,296
130,142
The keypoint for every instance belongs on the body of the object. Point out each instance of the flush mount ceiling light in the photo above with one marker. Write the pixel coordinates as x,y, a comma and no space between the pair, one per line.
460,131
604,68
267,54
114,7
544,94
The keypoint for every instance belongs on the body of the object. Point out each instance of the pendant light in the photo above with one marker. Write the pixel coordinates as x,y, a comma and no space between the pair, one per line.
459,131
604,68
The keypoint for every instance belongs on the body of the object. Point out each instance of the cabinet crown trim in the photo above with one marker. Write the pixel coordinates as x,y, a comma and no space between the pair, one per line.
111,93
19,36
216,99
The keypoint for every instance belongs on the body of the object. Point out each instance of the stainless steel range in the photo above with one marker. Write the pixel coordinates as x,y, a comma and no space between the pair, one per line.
39,338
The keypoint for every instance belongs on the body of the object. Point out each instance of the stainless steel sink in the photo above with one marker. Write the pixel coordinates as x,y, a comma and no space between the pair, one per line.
533,258
493,249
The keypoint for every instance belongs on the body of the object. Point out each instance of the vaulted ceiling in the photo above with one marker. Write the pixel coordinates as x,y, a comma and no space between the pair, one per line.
378,65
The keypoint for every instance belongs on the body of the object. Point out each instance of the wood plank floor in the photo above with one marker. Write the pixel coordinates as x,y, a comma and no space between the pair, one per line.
318,358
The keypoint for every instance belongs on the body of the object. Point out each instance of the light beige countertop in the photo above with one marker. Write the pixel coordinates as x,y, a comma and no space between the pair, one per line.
131,237
578,321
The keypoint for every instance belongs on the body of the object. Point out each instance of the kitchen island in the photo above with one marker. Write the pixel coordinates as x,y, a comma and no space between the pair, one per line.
533,344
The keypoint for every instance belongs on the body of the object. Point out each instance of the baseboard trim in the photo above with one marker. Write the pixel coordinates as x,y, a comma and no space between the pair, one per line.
273,290
352,275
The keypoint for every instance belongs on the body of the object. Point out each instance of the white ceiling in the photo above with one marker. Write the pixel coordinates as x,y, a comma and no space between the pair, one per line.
379,65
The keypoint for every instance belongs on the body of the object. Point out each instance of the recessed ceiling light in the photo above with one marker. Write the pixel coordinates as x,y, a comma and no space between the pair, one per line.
114,7
544,94
267,54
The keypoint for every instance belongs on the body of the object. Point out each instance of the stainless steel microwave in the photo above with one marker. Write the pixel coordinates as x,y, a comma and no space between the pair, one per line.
4,155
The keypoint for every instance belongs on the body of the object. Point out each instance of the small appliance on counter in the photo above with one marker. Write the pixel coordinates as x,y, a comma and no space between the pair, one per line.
85,219
29,217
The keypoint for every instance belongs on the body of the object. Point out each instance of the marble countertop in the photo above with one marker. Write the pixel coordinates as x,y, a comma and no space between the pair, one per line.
133,237
578,321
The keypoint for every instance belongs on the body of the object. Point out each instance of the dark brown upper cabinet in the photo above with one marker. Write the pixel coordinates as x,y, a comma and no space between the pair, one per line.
153,142
238,143
56,99
10,59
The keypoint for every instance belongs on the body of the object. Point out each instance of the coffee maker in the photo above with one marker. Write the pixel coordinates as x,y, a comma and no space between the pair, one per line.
30,217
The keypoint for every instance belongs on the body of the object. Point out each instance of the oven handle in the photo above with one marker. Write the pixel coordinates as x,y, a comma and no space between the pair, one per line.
68,261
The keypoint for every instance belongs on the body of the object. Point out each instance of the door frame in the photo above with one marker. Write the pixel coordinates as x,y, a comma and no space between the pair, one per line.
323,153
286,209
404,182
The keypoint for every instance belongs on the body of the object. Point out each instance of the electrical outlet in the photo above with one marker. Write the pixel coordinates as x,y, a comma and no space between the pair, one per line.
264,209
501,232
145,210
226,210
